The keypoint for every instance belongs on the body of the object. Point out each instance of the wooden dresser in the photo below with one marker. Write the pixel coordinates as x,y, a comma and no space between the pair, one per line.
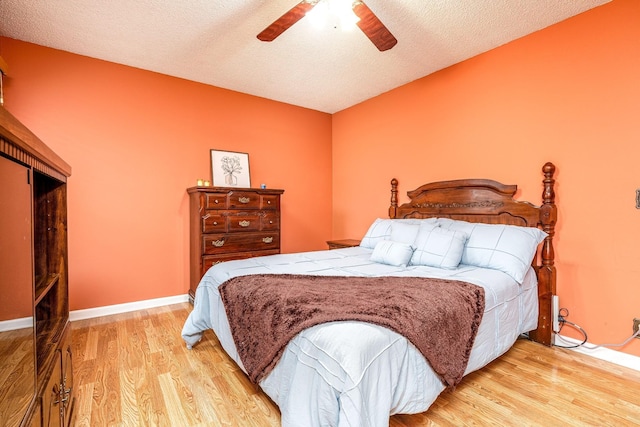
231,223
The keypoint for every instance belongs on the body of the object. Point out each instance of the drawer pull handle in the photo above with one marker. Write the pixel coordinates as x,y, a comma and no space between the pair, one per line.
270,222
244,223
216,201
268,202
267,239
244,199
218,243
215,222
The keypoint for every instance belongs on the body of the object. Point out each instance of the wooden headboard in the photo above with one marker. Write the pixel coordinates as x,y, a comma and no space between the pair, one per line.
487,201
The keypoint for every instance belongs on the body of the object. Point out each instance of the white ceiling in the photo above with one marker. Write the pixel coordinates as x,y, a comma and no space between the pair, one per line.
214,41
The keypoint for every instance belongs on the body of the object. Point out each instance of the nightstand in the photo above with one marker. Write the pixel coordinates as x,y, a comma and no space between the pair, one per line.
344,243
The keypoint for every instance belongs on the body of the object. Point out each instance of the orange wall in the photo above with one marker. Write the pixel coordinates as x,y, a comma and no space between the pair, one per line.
569,94
136,140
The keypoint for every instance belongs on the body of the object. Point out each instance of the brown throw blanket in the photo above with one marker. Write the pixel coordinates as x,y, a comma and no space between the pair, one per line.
440,317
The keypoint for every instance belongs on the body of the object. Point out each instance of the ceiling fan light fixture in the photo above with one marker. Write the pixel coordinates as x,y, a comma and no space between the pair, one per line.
339,13
343,10
319,14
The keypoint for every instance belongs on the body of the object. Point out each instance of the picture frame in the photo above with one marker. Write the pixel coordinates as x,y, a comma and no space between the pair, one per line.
230,169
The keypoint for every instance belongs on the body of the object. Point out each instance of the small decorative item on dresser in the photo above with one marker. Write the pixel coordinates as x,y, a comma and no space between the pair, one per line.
344,243
230,169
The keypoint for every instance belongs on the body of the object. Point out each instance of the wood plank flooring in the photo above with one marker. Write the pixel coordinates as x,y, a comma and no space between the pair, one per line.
133,369
17,374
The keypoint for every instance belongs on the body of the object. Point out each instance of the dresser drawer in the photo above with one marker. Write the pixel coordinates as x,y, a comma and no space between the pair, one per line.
269,201
213,222
215,200
243,221
270,221
244,200
239,242
209,261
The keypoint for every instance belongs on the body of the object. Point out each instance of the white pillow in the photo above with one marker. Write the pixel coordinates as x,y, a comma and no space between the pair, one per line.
404,232
438,247
507,248
392,253
380,229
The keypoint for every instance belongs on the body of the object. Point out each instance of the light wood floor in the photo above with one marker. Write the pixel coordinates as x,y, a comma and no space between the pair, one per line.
134,370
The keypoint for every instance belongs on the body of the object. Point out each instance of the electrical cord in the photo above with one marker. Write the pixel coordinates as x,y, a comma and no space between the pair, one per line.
563,321
622,344
563,313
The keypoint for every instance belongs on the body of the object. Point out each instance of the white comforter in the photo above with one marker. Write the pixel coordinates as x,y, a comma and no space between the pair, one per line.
354,373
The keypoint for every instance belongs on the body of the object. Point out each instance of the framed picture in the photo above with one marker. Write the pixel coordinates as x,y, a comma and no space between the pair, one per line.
230,169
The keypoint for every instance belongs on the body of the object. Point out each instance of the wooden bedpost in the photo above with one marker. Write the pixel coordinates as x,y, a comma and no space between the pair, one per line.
548,213
394,198
547,269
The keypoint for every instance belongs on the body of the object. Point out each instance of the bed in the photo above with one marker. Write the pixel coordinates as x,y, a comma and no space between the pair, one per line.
346,371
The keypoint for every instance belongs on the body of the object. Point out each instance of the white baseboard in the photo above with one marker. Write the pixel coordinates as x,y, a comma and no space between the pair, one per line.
90,313
15,324
602,353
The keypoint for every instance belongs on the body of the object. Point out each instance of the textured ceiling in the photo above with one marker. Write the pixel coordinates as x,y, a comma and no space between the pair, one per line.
325,69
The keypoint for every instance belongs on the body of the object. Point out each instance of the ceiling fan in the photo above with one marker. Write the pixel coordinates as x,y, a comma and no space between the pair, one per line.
369,23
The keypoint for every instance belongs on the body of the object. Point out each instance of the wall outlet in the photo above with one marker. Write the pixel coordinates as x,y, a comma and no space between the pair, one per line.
636,326
555,312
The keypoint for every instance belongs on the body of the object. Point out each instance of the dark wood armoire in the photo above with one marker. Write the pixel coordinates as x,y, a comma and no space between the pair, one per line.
36,371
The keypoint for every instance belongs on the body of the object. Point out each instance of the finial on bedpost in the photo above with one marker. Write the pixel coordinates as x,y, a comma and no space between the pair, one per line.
394,198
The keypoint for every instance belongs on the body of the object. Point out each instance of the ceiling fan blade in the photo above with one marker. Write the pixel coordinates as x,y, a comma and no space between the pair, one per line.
283,23
373,28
